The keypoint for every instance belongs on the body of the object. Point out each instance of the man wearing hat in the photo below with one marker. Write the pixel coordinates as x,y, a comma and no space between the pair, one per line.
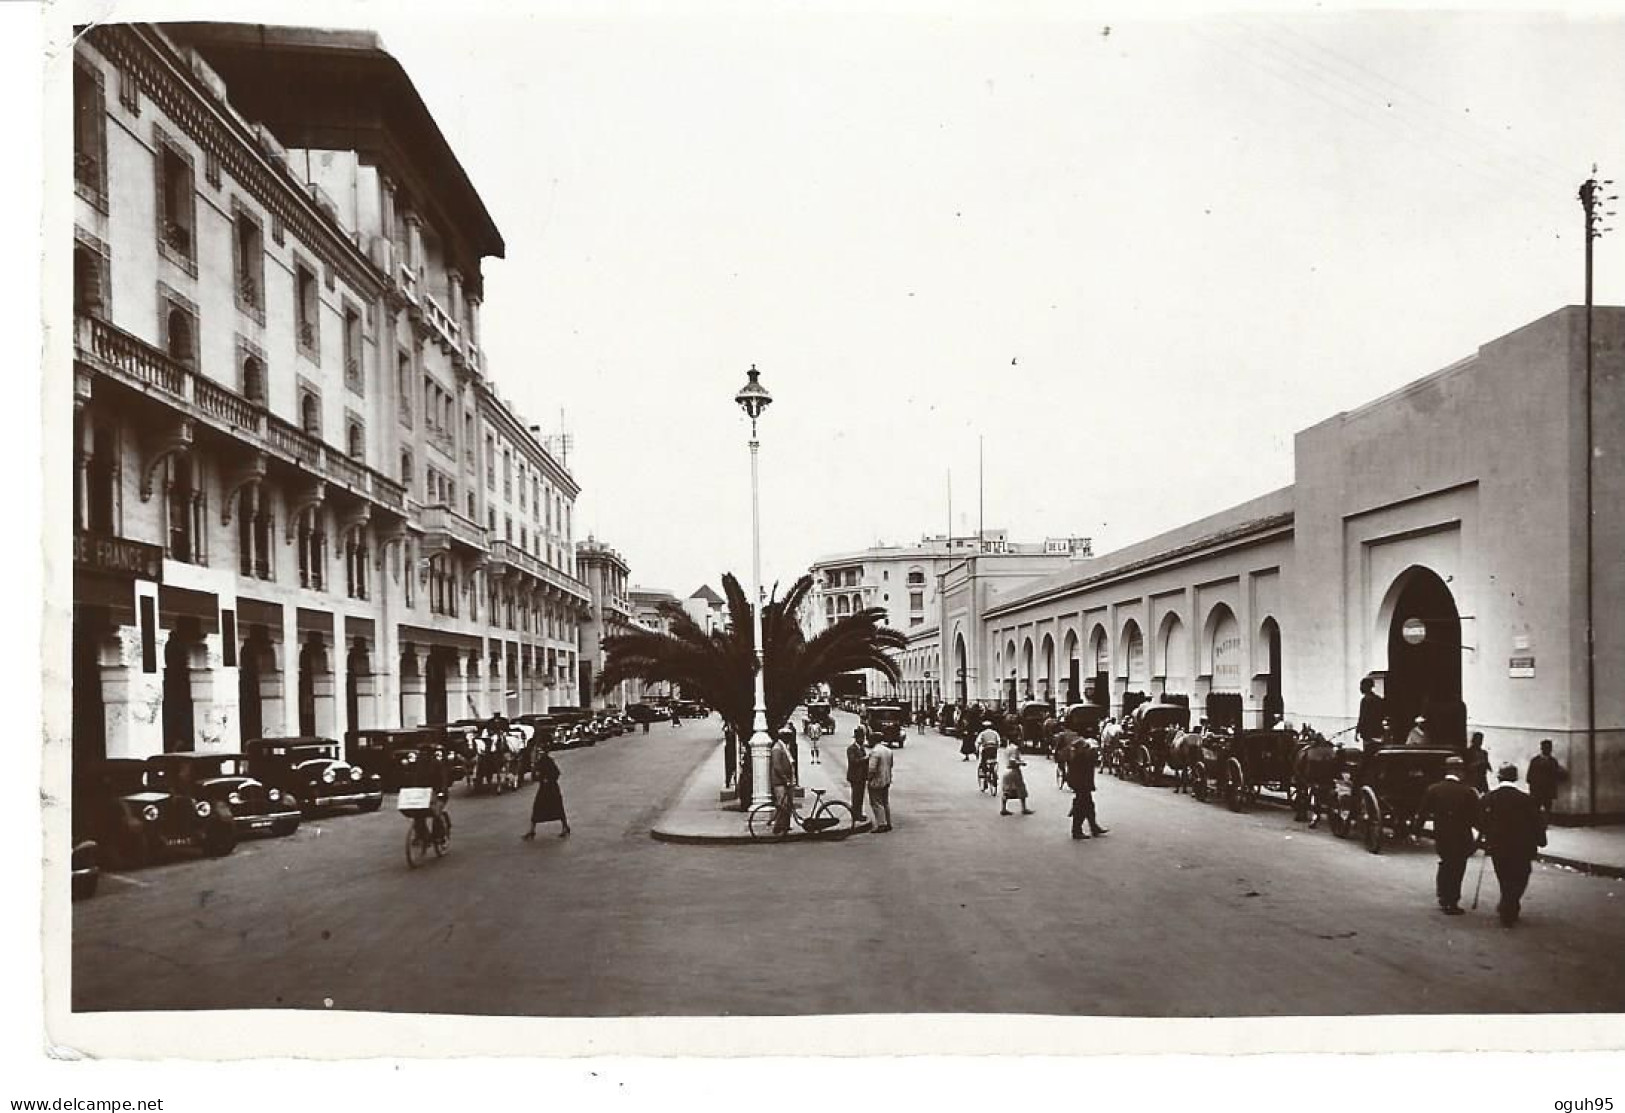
1453,807
857,771
880,768
1513,834
782,776
1419,733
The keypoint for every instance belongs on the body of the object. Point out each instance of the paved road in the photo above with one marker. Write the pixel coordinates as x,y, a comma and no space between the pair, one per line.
1184,910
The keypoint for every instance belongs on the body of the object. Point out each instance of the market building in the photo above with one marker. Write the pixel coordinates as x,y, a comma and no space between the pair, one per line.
287,518
1435,540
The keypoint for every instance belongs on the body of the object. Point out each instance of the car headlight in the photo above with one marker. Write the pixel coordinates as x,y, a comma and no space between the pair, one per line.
273,796
328,776
203,809
236,798
355,774
150,813
409,759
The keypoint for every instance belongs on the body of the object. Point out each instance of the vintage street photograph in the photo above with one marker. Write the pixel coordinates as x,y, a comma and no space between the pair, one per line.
937,509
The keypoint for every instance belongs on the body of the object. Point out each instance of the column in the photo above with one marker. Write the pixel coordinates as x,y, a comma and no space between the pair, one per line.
215,699
497,655
454,281
413,709
1252,700
457,689
339,669
473,322
414,243
84,440
386,211
134,699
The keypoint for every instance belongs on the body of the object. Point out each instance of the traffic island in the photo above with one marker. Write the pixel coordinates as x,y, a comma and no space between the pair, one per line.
698,817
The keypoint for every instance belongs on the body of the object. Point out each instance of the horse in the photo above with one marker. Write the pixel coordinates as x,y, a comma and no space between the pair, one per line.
1314,769
1184,751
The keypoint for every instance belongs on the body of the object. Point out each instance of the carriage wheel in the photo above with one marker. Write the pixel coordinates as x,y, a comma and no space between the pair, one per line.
1235,785
1371,821
1341,819
1199,782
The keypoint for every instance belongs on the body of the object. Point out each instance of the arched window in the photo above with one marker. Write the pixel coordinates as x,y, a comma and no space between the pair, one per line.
87,282
253,380
180,340
406,468
357,442
310,414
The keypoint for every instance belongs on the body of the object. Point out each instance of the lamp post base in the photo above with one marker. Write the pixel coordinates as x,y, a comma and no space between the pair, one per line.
761,774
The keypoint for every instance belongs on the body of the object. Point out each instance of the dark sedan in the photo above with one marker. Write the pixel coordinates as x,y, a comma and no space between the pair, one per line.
133,823
224,781
312,771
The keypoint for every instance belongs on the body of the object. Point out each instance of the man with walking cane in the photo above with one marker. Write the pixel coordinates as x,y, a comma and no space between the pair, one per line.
1513,833
1453,807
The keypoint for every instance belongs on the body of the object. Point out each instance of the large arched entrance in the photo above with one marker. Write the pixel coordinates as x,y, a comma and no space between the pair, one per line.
1424,656
1074,679
1099,689
961,692
1221,661
1046,657
1274,703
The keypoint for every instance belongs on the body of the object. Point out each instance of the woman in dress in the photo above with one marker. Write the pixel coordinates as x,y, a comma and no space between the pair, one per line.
1012,786
549,802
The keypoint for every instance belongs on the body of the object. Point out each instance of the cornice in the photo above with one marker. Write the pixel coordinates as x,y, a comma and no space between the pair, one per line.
162,76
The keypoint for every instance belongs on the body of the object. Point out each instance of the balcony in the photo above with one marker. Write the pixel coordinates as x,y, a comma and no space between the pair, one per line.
452,528
440,322
139,366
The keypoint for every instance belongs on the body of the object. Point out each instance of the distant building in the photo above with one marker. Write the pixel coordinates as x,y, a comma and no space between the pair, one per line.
708,609
605,571
904,580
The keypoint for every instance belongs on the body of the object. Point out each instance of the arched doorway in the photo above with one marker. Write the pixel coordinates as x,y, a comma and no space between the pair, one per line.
961,692
1047,656
1132,667
1074,679
312,661
357,672
1274,704
179,718
1424,656
1221,657
1173,656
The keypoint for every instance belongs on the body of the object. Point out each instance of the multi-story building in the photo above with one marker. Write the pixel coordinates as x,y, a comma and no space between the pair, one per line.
708,609
611,613
904,581
282,412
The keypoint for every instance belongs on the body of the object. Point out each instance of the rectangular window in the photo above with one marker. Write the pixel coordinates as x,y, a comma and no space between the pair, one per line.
248,247
149,635
403,386
89,136
306,311
490,463
916,600
352,350
176,208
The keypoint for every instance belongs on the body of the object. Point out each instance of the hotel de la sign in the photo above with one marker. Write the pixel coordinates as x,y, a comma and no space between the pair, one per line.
1434,540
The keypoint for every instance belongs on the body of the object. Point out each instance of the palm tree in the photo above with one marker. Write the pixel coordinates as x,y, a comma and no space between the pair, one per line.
718,668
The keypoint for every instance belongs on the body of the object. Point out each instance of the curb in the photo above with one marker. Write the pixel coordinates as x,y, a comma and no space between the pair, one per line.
1596,869
746,839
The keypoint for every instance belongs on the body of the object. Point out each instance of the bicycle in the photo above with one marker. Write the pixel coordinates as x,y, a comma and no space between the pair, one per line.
987,776
828,818
430,826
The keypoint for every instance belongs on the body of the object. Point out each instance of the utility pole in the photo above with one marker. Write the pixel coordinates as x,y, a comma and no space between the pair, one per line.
1591,200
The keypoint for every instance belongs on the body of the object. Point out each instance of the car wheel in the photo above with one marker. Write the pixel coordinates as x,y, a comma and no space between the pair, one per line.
220,840
372,805
84,886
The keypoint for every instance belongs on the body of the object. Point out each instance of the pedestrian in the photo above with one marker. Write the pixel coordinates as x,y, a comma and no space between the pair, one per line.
812,747
549,803
1453,807
1012,785
782,777
1373,710
730,753
1513,833
880,770
1419,732
1067,742
1478,764
676,718
857,771
1080,777
1545,774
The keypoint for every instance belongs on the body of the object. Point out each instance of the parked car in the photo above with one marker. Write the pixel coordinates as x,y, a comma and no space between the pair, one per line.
692,709
645,713
85,866
223,780
312,770
378,749
133,823
887,721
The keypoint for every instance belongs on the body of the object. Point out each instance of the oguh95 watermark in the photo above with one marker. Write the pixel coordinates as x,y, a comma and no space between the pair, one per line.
1583,1105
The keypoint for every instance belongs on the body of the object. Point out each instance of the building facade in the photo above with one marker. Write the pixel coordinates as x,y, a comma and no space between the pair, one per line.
906,582
1455,541
610,613
282,414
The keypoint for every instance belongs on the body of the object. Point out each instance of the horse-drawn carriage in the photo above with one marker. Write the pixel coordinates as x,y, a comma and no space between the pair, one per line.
1153,729
1238,767
500,760
1379,791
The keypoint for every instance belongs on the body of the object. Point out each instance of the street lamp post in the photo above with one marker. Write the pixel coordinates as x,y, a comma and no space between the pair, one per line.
754,399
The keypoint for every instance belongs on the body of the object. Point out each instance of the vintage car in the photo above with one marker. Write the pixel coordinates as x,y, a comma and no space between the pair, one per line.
223,780
645,713
821,715
311,769
378,749
887,721
133,823
575,728
85,868
692,709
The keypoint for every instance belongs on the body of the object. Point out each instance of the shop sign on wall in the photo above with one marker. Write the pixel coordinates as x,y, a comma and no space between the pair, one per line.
1521,668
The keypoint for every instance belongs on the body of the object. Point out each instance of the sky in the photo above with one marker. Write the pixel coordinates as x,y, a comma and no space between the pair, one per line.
1129,259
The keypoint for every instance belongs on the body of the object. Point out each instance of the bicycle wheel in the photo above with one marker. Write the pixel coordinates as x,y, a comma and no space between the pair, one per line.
761,821
417,848
839,811
442,834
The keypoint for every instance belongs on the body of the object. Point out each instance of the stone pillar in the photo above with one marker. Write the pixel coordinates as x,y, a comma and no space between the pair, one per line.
215,700
497,655
386,207
339,670
85,439
413,709
414,242
518,701
133,699
321,687
457,686
366,701
472,324
1252,700
454,284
